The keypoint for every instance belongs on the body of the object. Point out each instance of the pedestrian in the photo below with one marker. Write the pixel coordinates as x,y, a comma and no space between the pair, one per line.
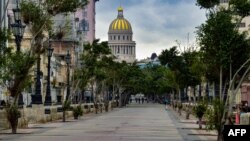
139,99
136,99
142,100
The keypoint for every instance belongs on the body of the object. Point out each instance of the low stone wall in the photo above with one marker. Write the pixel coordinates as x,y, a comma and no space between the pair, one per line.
43,114
3,119
245,119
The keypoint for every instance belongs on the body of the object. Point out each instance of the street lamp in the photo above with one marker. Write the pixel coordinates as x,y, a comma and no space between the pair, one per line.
48,92
17,27
37,97
18,31
68,60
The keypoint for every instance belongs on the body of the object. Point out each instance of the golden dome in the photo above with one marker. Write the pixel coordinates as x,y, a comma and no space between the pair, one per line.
120,23
120,8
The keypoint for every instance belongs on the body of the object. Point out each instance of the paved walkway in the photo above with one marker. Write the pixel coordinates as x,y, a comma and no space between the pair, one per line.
147,122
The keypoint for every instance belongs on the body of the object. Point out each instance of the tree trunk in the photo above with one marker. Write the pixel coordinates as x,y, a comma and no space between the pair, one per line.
96,108
14,124
220,137
200,123
194,95
64,116
13,130
179,111
120,99
113,93
92,92
221,71
187,112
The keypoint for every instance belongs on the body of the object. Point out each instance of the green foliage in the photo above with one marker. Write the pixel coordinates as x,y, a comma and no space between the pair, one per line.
55,7
200,109
157,80
213,116
181,72
180,106
167,57
66,105
77,111
4,36
221,44
240,7
17,66
207,3
34,15
13,114
95,63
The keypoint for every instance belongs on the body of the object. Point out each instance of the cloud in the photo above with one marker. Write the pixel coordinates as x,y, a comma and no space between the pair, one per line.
156,23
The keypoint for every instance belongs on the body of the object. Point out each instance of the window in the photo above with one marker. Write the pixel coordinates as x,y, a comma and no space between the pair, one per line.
127,38
110,37
118,51
242,25
119,37
123,37
85,25
114,37
127,50
224,1
85,14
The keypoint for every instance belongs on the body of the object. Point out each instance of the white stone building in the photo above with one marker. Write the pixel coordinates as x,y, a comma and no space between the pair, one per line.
120,39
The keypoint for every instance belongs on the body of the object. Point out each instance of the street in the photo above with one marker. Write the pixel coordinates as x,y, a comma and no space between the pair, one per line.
136,122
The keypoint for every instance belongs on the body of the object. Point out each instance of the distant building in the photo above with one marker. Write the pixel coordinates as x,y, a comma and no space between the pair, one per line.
120,39
3,14
243,96
87,22
150,61
245,24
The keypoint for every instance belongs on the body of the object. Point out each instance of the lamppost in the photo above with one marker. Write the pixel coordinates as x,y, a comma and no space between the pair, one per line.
37,97
48,92
17,27
18,31
68,60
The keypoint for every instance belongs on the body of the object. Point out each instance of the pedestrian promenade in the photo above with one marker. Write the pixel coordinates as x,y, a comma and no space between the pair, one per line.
136,122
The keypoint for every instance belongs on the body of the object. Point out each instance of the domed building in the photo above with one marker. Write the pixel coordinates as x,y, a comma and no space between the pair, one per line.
120,39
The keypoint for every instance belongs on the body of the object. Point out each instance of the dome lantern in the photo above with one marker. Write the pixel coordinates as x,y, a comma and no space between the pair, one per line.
120,24
120,12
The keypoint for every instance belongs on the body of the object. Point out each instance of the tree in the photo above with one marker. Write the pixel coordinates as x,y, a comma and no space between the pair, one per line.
94,61
37,16
207,3
200,110
222,48
222,45
213,117
180,65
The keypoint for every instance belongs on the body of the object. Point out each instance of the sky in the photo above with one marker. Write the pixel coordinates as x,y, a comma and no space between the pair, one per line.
156,24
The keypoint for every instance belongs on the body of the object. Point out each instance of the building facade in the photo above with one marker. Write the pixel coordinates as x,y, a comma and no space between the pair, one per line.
78,28
245,24
120,39
86,19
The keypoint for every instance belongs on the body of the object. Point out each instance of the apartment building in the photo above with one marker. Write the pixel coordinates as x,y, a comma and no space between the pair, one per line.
80,28
245,24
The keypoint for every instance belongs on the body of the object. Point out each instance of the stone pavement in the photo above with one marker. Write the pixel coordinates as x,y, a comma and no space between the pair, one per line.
144,122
